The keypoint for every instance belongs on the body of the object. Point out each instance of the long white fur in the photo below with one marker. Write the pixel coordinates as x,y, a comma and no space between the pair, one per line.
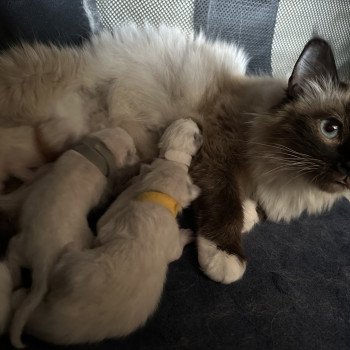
111,290
284,203
54,217
145,77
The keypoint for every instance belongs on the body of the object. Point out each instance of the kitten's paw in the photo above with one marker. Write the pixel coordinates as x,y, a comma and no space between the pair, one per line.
217,264
251,216
186,236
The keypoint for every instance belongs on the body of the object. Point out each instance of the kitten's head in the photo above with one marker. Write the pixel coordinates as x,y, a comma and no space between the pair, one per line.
308,136
121,145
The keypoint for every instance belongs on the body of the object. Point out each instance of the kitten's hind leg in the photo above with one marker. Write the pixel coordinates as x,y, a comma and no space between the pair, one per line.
14,260
185,237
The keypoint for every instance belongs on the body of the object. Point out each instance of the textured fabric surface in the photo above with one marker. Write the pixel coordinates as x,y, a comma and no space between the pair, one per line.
248,23
297,21
57,21
177,13
273,32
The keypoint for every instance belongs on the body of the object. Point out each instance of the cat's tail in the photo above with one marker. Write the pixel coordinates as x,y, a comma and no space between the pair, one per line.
6,286
29,304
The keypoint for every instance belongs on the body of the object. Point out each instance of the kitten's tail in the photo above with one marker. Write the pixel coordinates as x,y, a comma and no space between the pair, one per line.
6,286
30,302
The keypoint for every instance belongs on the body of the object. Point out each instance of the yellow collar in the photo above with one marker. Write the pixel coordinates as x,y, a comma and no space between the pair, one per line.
160,198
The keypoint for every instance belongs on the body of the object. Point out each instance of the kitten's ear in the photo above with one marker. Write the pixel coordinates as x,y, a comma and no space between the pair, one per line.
315,62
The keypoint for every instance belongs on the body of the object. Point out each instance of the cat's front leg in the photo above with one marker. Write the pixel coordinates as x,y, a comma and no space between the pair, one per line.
221,221
219,252
218,264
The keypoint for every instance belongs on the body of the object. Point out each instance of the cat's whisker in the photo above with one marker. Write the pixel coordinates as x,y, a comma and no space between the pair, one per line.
287,160
284,153
284,150
292,161
297,157
292,166
288,168
313,180
295,177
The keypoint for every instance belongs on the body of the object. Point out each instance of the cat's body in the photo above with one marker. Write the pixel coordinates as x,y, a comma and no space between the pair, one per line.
141,80
138,79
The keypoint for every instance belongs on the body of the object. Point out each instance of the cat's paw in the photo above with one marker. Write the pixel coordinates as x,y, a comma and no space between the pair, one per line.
217,264
251,216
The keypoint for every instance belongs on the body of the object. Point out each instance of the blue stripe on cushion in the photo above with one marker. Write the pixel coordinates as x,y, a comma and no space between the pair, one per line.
249,23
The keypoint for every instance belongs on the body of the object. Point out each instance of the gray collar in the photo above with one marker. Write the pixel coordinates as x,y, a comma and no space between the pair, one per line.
94,150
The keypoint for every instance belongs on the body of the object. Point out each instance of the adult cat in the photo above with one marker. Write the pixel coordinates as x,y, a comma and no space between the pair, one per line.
282,145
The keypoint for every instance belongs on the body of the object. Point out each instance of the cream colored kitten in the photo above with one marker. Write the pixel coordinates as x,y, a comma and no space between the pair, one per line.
54,215
111,290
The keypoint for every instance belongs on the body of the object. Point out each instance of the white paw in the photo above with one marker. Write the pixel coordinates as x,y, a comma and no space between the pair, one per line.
217,264
186,236
251,216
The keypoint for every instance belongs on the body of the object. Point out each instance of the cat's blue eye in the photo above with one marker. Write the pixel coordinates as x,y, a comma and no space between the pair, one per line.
330,128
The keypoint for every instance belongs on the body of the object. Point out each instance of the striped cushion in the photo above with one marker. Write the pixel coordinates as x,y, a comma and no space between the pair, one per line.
272,32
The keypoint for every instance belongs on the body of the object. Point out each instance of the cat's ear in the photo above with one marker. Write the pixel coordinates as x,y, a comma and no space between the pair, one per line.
315,62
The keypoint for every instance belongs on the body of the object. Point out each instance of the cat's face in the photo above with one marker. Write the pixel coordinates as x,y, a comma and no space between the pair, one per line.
308,137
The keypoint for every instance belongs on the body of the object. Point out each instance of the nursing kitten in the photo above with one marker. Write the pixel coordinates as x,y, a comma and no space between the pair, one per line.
54,214
111,290
142,79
